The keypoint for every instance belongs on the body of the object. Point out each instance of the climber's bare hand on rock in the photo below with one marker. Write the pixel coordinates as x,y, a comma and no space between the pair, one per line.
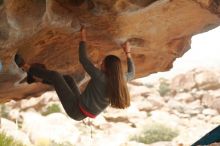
127,48
83,33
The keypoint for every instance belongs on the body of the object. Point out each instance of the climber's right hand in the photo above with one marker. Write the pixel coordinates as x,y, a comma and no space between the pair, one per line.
83,33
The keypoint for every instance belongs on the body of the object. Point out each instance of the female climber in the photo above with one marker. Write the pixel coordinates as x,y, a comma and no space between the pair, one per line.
107,85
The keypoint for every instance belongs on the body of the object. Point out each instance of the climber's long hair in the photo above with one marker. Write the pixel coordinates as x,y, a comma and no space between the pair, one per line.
117,89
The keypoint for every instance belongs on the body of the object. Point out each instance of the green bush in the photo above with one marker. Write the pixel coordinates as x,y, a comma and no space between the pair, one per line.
155,133
164,87
8,141
4,111
54,108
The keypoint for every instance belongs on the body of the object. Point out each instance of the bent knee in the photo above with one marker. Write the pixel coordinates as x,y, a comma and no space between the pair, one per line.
54,74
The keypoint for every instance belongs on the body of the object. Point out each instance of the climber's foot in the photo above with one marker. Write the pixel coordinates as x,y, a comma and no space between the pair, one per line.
21,63
30,77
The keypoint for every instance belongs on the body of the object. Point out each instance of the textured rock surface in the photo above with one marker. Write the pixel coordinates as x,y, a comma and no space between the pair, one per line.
199,78
47,31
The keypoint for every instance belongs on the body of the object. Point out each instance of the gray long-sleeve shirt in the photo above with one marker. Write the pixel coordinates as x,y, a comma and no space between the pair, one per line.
94,97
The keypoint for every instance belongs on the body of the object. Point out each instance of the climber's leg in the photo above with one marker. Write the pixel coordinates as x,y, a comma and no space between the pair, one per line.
69,96
72,84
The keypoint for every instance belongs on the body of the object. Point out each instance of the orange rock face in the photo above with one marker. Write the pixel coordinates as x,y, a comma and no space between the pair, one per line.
47,31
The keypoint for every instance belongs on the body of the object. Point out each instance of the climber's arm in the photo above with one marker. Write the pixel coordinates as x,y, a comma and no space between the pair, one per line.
130,64
83,57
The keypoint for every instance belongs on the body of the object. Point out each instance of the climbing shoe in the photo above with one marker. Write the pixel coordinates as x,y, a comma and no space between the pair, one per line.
30,78
19,60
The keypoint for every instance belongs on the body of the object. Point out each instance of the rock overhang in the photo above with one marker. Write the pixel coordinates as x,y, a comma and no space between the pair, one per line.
47,31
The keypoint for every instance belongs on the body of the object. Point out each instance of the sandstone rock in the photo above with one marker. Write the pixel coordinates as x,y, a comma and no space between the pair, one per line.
183,82
195,130
48,96
216,105
211,102
215,93
172,104
193,108
156,101
47,32
180,114
137,90
201,116
115,136
215,120
191,119
162,143
207,100
200,78
207,79
133,143
100,123
30,103
129,115
198,94
210,112
11,129
8,125
120,117
165,118
14,114
55,127
136,82
184,97
146,106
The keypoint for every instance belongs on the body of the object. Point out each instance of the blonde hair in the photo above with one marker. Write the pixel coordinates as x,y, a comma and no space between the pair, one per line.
117,89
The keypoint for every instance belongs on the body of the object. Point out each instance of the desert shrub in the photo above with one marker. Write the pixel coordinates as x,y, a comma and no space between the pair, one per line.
155,133
8,141
54,108
164,87
4,111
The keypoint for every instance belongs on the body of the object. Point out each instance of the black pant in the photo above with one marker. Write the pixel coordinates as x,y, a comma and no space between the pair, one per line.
66,88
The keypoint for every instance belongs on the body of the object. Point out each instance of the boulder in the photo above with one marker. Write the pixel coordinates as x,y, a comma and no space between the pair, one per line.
54,127
47,31
183,82
184,97
207,79
11,129
211,101
198,78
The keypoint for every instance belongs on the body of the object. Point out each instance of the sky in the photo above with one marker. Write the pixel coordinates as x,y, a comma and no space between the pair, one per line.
204,52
